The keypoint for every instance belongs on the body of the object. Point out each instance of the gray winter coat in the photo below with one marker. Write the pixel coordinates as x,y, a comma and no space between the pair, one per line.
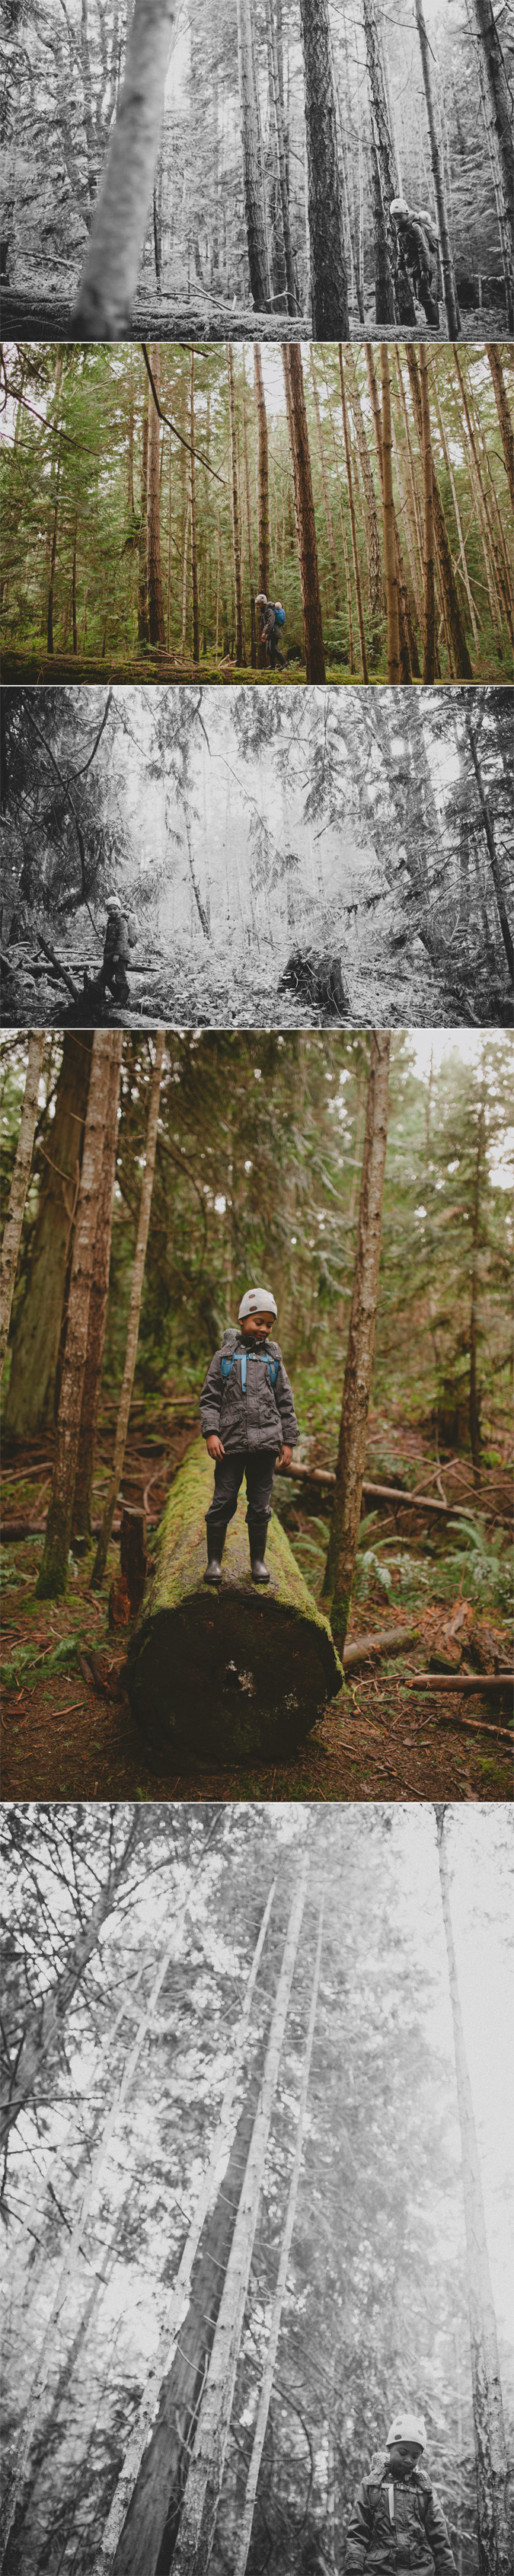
414,2535
262,1416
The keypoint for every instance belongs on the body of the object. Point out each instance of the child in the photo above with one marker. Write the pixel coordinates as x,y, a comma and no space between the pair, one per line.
397,2520
247,1398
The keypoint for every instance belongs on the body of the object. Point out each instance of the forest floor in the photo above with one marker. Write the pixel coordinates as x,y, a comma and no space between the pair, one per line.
34,315
67,1728
202,990
36,669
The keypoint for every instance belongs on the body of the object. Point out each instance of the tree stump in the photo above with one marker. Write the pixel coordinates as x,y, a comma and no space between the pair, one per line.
126,1593
315,977
231,1676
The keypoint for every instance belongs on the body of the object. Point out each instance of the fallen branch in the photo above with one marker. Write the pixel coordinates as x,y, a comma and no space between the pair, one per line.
460,1682
384,1641
76,995
16,1529
384,1493
476,1726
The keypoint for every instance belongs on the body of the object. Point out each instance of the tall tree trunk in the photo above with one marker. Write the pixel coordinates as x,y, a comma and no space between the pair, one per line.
29,1405
252,160
52,1580
223,2141
142,596
245,2527
326,493
362,640
74,586
491,844
463,670
391,574
155,606
405,633
281,157
403,296
501,105
184,580
136,1290
376,599
236,530
474,1392
11,1238
451,478
53,560
304,513
338,1579
26,2060
385,299
253,621
194,538
503,576
428,496
111,268
130,466
494,2542
262,487
329,292
449,287
81,1520
205,2473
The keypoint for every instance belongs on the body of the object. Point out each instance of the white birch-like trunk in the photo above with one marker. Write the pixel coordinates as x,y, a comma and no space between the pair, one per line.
213,2176
494,2541
111,268
203,2484
245,2532
19,1185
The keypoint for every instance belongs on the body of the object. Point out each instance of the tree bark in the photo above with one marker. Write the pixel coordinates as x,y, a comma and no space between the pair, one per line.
26,2059
136,1291
194,538
155,604
53,560
451,478
242,1674
253,620
281,157
262,488
501,105
221,2149
252,160
391,574
19,1185
405,310
29,1405
304,513
329,292
326,493
52,1580
463,669
356,568
502,572
428,497
81,1518
142,596
337,1586
245,2528
236,530
385,299
489,834
494,2542
204,2478
111,268
376,598
74,588
449,287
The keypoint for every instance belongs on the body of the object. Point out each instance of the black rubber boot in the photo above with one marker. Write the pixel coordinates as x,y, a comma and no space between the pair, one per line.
257,1536
215,1545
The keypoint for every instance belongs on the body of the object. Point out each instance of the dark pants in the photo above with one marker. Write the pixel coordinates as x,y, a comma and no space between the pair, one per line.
228,1476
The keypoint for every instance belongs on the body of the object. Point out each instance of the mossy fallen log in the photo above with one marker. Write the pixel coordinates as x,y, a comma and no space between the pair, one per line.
230,1676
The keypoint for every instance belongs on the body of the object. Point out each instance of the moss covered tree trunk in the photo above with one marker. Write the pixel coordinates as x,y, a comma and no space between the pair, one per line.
19,1184
35,1338
109,279
337,1587
54,1570
304,513
232,1675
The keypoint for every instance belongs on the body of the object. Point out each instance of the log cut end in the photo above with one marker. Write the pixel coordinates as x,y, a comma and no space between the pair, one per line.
230,1676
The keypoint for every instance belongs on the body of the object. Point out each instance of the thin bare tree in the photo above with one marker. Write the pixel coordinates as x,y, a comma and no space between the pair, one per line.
339,1570
19,1185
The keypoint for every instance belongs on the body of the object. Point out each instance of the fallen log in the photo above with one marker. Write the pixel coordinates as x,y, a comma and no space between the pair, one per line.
383,1493
384,1641
59,968
475,1726
484,1683
230,1676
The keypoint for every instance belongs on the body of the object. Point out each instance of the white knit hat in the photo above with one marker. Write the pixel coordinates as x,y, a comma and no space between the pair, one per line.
258,1301
407,2428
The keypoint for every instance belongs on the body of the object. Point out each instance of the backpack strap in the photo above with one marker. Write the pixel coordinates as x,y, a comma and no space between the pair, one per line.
228,1363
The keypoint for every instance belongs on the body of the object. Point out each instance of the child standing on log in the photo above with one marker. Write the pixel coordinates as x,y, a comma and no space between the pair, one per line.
246,1397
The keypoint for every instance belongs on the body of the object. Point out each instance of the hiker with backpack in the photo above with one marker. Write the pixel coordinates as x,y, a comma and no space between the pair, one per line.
419,240
249,1424
397,2520
273,618
119,939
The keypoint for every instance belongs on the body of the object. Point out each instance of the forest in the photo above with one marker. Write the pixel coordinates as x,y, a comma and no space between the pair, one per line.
184,173
145,1182
312,861
222,2276
152,496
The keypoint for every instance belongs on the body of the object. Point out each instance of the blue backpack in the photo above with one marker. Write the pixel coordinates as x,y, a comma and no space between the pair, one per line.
227,1366
280,616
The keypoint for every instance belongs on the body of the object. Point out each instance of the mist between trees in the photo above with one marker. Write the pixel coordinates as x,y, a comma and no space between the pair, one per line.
295,861
253,2137
248,164
151,495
